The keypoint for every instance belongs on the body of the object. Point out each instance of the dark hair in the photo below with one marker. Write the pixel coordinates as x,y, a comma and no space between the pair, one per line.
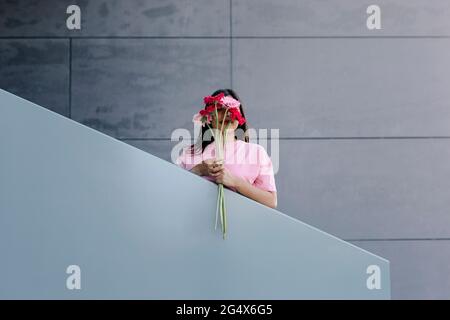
200,145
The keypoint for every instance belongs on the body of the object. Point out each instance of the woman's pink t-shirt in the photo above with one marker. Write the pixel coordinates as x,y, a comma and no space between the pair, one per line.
249,161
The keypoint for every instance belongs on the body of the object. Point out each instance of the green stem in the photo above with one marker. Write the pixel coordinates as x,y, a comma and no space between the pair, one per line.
220,205
220,141
224,131
225,135
223,207
224,212
212,132
217,208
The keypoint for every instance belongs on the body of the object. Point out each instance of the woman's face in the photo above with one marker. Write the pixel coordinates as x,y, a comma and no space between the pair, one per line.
221,113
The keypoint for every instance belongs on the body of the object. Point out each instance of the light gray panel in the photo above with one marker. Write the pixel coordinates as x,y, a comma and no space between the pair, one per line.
364,189
135,226
37,70
117,18
135,88
345,87
339,18
419,269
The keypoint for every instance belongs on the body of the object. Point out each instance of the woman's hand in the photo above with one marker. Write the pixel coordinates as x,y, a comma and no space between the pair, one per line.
217,170
223,176
207,168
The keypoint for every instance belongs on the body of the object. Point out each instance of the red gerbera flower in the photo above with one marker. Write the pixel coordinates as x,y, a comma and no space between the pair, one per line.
211,99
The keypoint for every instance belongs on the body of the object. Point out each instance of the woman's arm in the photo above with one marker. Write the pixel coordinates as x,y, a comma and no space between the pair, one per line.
268,198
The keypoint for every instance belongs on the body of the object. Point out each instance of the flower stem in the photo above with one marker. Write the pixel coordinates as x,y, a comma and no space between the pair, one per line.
224,215
220,142
217,208
212,131
221,207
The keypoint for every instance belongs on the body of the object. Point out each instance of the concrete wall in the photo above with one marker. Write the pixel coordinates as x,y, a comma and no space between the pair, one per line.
363,115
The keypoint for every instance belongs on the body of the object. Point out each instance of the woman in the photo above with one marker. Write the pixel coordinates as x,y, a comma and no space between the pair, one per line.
246,167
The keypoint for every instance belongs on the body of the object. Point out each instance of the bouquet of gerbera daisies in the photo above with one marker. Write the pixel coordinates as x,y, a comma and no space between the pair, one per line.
205,117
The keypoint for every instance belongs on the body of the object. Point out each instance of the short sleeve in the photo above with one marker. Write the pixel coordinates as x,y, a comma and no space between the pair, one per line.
181,160
265,179
187,160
